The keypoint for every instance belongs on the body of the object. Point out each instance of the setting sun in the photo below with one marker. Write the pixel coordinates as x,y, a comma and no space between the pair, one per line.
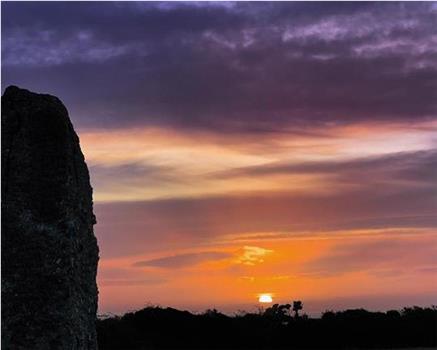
265,298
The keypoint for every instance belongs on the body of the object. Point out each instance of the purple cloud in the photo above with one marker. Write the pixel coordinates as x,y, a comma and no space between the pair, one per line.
247,67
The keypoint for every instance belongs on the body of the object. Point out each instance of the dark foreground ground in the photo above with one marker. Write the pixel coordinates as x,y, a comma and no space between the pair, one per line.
159,328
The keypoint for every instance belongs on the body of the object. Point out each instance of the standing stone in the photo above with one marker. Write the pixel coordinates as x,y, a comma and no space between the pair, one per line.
49,251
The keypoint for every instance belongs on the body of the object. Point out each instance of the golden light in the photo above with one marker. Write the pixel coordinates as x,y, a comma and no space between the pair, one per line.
265,298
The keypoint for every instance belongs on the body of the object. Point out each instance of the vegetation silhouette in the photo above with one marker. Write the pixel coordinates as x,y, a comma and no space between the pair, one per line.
168,328
297,306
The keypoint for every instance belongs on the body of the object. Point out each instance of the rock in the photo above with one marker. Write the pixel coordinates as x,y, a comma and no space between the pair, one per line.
49,251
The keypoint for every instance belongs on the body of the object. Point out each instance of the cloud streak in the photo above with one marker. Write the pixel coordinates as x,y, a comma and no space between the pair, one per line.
183,260
419,167
387,257
189,222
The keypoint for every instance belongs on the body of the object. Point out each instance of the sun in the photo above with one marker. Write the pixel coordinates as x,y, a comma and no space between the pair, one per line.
265,298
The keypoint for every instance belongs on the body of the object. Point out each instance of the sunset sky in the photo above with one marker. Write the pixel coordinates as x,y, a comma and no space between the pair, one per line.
245,148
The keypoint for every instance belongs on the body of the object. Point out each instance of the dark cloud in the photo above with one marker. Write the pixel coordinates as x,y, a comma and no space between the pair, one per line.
183,260
233,66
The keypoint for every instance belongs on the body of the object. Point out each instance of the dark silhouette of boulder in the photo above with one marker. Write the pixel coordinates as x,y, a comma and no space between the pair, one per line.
49,251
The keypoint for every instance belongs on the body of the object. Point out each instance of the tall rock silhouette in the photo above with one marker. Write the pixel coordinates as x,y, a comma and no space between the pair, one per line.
49,251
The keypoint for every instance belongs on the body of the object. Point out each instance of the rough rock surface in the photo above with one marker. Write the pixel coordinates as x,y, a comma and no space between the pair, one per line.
49,251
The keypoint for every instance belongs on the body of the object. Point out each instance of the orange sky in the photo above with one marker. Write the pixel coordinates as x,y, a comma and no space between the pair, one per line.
274,215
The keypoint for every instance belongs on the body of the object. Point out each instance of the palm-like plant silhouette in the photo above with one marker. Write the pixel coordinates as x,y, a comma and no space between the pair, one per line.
297,306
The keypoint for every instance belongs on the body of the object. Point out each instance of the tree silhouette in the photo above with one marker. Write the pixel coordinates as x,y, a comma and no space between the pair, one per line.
297,305
279,312
166,328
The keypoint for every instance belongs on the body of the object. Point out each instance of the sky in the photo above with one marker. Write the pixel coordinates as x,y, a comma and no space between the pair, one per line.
244,148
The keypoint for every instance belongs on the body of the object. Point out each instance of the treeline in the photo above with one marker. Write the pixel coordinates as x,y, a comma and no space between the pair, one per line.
276,327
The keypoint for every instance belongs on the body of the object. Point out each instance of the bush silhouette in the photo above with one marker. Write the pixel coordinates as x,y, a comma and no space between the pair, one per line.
167,328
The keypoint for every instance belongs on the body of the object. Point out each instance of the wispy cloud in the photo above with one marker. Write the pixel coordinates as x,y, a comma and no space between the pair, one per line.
144,164
183,222
401,165
130,282
382,257
183,260
253,255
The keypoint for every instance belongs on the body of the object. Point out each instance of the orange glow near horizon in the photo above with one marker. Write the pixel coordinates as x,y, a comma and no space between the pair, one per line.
295,269
211,220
